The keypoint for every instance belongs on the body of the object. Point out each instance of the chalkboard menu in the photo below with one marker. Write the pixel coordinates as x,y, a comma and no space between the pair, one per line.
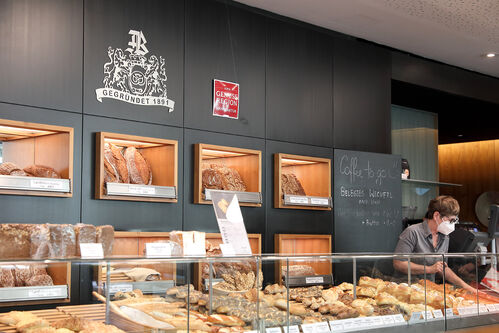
367,201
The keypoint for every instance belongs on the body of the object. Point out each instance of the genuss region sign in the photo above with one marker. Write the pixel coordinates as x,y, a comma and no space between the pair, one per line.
225,99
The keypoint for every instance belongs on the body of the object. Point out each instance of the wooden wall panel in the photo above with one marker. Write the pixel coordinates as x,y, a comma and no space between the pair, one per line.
475,165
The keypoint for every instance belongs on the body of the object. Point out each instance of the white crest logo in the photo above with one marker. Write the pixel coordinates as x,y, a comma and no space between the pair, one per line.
134,78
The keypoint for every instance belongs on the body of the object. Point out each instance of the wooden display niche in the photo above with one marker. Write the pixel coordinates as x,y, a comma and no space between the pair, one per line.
302,244
60,292
26,144
255,241
247,162
133,244
314,174
162,156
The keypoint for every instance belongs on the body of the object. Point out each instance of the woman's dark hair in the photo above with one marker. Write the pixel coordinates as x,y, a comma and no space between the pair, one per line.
445,205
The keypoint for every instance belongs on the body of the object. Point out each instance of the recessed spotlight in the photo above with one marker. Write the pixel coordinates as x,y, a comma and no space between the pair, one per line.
459,135
490,55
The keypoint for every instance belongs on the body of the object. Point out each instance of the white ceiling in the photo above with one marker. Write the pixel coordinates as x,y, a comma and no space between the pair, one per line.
456,32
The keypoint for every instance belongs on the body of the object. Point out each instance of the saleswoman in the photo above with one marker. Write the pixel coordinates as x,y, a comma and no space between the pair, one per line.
431,237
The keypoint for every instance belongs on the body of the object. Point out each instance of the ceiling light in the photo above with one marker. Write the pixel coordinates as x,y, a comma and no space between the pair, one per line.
459,135
490,55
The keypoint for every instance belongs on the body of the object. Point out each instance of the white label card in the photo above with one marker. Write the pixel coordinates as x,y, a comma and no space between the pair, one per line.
123,287
398,318
322,327
135,189
483,308
437,314
388,320
292,329
46,184
416,317
377,321
36,293
449,312
91,250
350,325
319,201
307,328
273,330
158,250
298,200
491,307
314,279
336,326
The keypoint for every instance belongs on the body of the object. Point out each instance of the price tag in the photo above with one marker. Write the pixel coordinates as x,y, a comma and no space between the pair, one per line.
135,189
91,250
273,330
462,311
348,325
377,321
123,287
472,310
491,307
398,319
388,320
437,314
416,317
314,279
483,308
292,329
227,250
322,327
307,328
298,200
319,201
429,315
46,184
43,292
158,250
336,326
449,312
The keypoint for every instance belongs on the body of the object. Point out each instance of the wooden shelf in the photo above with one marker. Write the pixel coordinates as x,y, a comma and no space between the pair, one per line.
247,162
26,144
61,275
290,244
314,174
162,157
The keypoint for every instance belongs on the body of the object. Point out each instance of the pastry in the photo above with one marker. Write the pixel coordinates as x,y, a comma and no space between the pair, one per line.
363,307
117,166
291,185
330,295
366,292
41,171
138,168
346,286
386,299
366,281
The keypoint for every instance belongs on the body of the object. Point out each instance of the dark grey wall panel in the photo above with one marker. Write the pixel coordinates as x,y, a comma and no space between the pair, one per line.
362,116
107,24
299,85
426,73
292,221
202,217
41,55
127,215
226,43
34,209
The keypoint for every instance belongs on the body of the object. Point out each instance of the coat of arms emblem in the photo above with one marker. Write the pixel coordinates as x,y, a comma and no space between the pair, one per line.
131,77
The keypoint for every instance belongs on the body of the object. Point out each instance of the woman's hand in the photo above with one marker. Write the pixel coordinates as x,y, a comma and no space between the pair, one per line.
437,267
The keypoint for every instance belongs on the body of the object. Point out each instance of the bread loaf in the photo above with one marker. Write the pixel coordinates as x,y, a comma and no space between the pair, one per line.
105,235
6,277
41,171
298,270
15,240
21,275
10,169
84,233
291,185
62,240
231,179
40,280
211,179
110,173
138,168
40,239
115,159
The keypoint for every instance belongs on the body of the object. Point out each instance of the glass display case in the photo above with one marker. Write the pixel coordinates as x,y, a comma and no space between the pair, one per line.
366,293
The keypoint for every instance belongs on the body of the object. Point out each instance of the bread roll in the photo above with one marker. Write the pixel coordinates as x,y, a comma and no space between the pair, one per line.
138,168
10,169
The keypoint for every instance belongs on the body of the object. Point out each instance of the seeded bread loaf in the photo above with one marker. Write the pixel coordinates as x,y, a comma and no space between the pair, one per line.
211,179
291,185
41,171
15,240
105,235
116,168
84,233
6,277
40,280
138,168
231,179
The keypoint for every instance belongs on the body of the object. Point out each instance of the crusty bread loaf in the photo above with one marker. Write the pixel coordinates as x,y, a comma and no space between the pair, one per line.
62,240
110,173
231,179
42,171
84,233
6,277
40,239
298,270
115,158
10,169
105,235
291,185
15,240
21,275
40,280
138,168
211,179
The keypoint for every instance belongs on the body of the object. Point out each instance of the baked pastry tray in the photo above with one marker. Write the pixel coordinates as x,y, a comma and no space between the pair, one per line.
305,200
35,184
15,294
135,190
248,197
309,280
147,287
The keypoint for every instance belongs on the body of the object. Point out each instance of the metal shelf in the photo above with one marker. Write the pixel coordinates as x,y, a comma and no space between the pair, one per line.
16,294
248,197
35,184
428,182
302,200
135,190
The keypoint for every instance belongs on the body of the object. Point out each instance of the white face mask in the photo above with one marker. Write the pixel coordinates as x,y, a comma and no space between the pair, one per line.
445,227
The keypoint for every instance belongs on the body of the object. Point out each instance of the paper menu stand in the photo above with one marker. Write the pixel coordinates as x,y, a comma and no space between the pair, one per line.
491,280
231,223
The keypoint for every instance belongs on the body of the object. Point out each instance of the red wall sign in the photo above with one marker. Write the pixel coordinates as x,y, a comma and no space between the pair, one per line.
225,99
